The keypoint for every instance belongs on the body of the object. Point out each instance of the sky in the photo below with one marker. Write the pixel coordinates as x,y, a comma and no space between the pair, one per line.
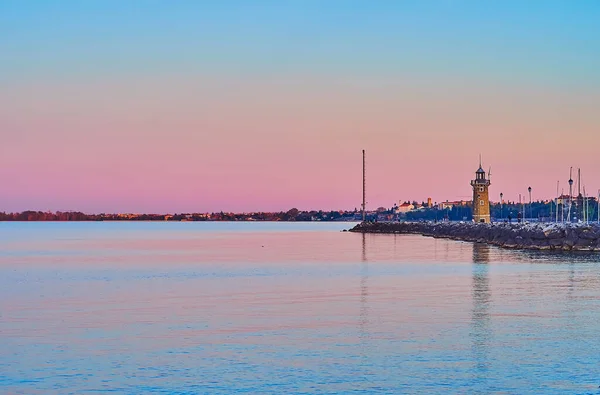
201,106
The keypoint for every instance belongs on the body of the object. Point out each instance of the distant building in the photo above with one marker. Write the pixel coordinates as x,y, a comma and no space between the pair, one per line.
563,199
449,205
481,200
445,205
385,217
429,203
405,207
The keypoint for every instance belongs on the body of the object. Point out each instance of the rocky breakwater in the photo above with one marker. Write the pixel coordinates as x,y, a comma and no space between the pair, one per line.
541,236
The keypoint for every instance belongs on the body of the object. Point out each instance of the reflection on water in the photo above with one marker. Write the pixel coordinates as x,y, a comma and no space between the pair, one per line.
363,325
291,308
481,253
481,333
532,256
364,291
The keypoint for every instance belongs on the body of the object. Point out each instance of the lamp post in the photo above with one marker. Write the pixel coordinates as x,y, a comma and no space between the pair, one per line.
501,206
530,208
570,197
521,210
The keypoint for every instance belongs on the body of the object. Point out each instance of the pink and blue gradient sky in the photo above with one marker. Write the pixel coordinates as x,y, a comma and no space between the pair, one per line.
148,106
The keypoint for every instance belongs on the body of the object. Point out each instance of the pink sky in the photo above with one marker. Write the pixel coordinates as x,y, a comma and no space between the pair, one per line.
185,143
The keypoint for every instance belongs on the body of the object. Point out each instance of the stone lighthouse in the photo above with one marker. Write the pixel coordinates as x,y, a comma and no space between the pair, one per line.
481,199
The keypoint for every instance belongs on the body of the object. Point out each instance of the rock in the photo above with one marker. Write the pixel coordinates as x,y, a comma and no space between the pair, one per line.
585,243
555,242
527,236
589,234
568,242
553,232
537,234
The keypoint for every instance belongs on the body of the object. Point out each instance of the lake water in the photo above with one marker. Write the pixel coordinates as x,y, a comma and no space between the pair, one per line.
283,308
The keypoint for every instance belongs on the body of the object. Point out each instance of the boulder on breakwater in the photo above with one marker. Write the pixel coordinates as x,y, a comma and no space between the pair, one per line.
537,236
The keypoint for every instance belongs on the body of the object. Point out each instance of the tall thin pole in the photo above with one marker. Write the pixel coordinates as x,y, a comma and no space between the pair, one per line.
587,207
584,206
562,206
556,201
551,204
579,209
530,209
364,186
570,194
522,219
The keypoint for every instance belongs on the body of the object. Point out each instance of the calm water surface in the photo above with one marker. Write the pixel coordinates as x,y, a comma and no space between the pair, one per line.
277,308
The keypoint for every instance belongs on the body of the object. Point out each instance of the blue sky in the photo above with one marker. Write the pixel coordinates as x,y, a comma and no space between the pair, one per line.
237,105
545,40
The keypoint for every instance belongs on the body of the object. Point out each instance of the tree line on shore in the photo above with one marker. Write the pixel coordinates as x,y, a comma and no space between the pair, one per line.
290,215
539,211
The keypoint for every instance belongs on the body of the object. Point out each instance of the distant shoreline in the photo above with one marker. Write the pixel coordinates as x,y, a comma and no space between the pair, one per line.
292,215
158,220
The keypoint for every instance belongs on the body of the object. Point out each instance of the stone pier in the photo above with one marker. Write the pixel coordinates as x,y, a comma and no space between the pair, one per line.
538,236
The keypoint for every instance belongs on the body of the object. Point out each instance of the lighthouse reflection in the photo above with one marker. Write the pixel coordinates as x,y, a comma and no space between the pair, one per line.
481,333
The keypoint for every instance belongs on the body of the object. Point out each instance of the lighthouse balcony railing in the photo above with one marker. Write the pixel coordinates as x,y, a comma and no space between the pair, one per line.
480,182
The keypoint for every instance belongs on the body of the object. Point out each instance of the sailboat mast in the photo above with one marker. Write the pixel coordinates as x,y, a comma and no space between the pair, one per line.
584,208
579,209
570,194
556,200
364,184
562,206
551,204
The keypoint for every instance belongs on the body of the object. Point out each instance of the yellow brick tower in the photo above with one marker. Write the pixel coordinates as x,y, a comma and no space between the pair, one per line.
481,199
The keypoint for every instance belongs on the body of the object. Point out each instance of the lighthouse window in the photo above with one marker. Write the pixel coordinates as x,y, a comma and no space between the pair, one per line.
481,202
480,189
